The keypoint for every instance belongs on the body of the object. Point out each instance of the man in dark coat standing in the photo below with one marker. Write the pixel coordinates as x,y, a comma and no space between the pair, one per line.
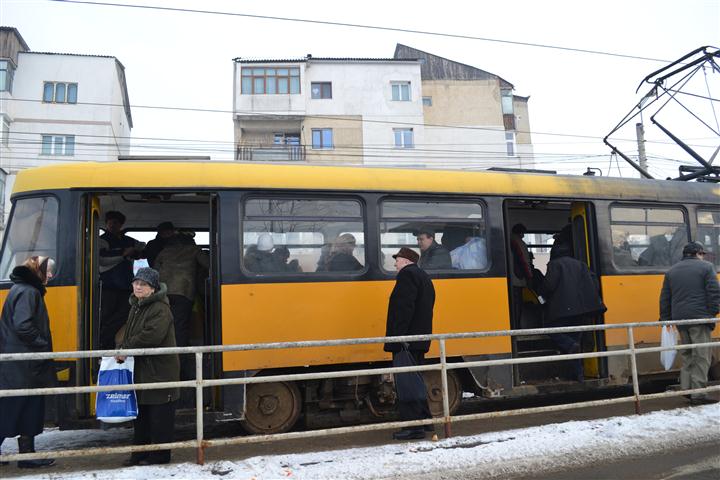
117,253
410,312
573,298
690,290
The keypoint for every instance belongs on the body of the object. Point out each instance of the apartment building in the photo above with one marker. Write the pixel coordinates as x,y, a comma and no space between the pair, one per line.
59,107
415,109
326,110
491,123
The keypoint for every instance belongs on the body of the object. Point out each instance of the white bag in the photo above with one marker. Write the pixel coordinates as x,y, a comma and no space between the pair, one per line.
668,338
120,405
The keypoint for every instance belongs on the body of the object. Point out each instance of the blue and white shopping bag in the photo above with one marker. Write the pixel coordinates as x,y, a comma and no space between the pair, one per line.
116,406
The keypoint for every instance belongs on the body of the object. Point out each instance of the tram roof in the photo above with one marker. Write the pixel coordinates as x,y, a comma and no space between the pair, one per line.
213,175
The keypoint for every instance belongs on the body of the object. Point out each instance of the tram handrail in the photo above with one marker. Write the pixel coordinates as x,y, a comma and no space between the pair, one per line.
443,366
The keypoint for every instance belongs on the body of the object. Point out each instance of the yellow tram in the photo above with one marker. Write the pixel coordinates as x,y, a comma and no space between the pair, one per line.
629,231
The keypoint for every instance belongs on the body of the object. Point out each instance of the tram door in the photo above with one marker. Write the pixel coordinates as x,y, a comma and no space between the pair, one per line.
584,237
90,301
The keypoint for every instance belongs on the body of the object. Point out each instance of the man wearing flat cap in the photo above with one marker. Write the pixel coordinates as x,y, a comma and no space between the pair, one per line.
410,312
691,290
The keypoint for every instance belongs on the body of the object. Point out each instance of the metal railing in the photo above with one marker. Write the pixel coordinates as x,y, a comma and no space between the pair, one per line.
200,443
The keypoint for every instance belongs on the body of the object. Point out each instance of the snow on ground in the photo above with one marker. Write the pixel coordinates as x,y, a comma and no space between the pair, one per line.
497,454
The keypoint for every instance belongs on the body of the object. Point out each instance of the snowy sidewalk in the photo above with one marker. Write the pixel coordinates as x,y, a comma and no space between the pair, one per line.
497,454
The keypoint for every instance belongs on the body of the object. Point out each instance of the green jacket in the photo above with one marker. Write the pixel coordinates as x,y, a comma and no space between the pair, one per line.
150,325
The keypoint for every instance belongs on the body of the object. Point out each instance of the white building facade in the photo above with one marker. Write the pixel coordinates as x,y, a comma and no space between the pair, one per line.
415,110
326,110
59,108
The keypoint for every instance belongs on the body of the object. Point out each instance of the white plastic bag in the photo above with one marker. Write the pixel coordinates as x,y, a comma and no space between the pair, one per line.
116,406
668,338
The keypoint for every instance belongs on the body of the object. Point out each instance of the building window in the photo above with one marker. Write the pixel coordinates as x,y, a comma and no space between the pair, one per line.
270,81
322,138
401,91
7,72
58,145
427,101
286,139
321,90
403,137
510,143
647,237
506,100
60,92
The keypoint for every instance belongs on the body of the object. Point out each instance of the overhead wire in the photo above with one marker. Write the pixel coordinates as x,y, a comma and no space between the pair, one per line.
231,149
336,118
363,26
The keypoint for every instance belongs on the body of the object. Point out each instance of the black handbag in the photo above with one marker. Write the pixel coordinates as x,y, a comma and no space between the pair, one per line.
410,386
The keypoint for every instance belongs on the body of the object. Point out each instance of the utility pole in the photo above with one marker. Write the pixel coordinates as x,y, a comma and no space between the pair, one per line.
640,133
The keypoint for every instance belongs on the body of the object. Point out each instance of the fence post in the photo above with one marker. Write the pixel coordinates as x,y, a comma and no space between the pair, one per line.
633,369
199,408
443,377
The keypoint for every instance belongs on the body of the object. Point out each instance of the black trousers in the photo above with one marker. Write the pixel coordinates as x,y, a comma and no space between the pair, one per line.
155,424
114,310
181,308
21,416
416,410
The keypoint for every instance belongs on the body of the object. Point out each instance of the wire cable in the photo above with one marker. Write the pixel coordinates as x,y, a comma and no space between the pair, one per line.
364,26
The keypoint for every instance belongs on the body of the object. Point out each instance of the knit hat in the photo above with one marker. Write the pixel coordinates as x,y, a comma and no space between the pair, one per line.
407,254
265,243
149,276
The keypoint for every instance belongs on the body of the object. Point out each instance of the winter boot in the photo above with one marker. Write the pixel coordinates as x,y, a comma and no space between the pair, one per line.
26,444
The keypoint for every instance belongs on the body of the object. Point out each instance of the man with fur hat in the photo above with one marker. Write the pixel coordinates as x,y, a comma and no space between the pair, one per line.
410,312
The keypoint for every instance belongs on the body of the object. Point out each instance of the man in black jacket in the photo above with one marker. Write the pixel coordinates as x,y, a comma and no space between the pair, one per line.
691,290
410,312
573,298
433,256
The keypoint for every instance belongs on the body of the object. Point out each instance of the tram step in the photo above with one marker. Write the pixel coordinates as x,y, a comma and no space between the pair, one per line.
538,372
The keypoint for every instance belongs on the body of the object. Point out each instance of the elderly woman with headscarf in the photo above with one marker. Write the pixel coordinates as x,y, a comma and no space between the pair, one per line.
150,325
24,328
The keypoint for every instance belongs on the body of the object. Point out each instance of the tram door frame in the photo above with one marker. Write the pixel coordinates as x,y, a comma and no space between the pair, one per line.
585,248
89,299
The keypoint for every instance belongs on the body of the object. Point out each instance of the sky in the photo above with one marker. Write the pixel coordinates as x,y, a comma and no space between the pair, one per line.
184,60
499,454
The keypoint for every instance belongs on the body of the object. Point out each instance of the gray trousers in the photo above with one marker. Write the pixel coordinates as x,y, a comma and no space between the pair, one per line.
695,362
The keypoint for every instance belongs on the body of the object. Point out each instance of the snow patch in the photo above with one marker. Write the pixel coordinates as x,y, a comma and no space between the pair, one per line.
542,448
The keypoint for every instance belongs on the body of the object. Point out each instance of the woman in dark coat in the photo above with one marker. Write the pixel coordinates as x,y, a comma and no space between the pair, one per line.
24,328
150,325
573,298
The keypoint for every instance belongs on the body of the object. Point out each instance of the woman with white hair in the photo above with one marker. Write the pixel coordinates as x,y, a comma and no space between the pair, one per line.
25,328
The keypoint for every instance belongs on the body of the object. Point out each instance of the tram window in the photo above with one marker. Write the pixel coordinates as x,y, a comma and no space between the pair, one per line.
302,236
458,230
32,231
647,237
709,234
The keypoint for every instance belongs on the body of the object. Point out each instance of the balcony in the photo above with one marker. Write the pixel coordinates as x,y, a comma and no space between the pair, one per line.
270,153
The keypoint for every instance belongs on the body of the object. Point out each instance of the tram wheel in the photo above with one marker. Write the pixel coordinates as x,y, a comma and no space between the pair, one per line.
433,383
271,407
